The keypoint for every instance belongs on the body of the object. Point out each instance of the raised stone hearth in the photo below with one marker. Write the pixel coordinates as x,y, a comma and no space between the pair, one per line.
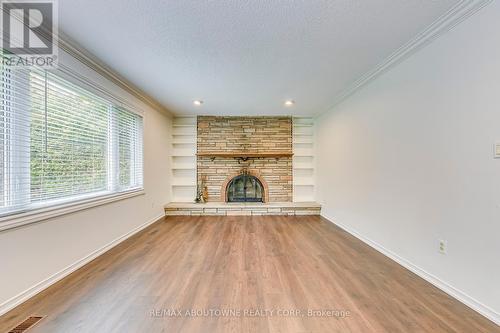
240,208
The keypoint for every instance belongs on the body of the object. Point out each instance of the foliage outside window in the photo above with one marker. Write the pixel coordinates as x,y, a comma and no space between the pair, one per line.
61,143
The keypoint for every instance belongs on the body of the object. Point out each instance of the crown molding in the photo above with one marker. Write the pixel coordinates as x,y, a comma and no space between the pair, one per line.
91,61
459,13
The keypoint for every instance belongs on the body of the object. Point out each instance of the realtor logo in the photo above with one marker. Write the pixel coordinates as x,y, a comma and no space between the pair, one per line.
29,33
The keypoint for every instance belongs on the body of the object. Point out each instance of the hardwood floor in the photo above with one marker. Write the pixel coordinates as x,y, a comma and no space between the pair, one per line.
283,265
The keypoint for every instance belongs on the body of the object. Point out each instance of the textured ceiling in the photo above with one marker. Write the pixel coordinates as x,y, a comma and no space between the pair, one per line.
245,57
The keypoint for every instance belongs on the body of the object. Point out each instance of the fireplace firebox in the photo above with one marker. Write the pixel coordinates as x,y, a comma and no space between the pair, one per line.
245,188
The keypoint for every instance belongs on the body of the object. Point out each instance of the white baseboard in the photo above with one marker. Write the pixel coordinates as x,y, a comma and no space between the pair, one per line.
42,285
450,290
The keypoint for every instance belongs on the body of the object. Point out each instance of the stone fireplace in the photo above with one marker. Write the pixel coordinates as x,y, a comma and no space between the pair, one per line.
245,159
244,166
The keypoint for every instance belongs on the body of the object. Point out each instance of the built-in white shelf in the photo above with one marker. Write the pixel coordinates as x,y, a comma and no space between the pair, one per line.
182,167
184,152
185,130
183,163
183,139
302,139
304,131
303,159
183,125
303,167
303,149
187,184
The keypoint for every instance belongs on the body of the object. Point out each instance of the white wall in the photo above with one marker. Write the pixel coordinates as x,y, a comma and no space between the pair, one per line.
408,160
31,254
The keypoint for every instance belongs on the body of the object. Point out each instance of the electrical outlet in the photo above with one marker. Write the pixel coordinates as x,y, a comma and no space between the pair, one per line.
497,150
442,246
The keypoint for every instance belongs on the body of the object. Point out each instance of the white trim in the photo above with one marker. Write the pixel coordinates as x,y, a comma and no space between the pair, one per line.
42,285
37,215
460,12
432,279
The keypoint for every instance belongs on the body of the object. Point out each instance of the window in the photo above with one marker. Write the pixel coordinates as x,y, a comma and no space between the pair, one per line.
60,143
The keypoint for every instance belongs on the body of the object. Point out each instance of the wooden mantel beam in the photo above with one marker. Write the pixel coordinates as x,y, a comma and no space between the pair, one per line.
245,155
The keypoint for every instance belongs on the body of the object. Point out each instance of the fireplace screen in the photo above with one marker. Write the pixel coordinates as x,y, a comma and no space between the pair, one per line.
244,188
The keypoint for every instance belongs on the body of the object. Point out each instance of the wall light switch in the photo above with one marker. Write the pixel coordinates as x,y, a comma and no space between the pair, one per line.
497,150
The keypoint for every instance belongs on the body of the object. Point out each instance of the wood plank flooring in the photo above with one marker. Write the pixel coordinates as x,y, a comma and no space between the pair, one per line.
245,274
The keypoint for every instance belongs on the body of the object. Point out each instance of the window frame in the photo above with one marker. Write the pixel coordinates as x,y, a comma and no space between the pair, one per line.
38,211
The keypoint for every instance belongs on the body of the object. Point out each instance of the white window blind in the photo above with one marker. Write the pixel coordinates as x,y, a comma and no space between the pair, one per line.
61,143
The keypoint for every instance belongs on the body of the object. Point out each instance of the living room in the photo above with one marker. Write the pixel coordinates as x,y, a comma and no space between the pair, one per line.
250,166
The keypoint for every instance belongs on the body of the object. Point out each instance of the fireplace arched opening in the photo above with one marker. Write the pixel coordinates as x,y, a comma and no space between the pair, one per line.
245,188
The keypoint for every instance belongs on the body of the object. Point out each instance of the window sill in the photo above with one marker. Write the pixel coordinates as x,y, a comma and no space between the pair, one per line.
37,215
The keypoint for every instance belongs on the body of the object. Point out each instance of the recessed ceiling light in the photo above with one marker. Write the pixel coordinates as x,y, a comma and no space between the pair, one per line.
289,103
197,102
